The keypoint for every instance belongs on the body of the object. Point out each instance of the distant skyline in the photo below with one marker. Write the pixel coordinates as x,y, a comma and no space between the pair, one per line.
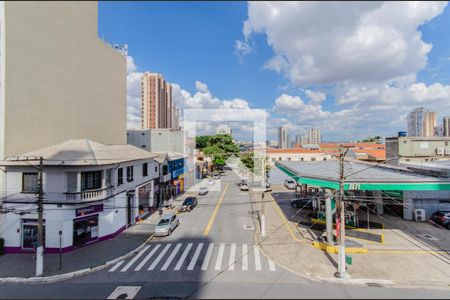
380,61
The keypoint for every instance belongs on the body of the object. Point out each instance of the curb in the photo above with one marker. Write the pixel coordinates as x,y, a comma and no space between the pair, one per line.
65,276
335,249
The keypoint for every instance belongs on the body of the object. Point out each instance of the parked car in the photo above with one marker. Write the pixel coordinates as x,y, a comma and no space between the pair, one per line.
203,190
167,224
216,176
188,204
303,202
441,217
244,187
290,184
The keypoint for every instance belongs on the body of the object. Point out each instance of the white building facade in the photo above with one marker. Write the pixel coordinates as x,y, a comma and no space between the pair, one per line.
88,198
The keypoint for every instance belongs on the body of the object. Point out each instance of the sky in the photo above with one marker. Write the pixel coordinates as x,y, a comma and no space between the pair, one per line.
350,69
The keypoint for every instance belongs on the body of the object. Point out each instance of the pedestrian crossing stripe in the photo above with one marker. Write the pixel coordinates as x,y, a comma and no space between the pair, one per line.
192,256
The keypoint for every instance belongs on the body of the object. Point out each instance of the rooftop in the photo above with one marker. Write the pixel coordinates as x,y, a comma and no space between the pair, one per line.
357,171
82,152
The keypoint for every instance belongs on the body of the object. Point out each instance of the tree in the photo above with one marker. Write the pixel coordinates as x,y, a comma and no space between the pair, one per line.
371,139
201,141
219,146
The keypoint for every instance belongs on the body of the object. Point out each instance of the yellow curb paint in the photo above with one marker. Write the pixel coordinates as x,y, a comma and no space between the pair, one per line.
335,249
216,210
285,221
381,251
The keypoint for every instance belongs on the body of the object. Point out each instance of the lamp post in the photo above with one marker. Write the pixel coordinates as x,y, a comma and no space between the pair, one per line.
60,249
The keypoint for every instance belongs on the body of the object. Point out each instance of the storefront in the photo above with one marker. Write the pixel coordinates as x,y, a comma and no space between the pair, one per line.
146,203
30,233
86,225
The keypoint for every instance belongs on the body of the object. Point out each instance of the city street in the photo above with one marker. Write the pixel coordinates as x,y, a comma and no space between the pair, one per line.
212,254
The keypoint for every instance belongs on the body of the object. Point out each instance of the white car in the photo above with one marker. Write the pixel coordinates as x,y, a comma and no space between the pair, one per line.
290,184
203,190
244,187
167,224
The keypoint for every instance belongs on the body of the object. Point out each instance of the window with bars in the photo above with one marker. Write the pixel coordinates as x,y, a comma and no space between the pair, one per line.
130,173
91,180
29,182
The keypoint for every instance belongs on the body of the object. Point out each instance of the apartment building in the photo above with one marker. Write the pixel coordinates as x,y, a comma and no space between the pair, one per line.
158,109
314,136
421,122
446,126
57,77
282,137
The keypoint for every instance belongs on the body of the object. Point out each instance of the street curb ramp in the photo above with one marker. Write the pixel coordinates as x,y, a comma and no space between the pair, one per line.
65,276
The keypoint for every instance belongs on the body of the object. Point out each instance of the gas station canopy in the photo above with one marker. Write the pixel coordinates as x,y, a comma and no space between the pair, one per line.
361,176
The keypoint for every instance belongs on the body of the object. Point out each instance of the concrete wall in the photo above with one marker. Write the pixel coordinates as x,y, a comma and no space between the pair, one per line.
61,81
431,201
139,138
158,140
297,157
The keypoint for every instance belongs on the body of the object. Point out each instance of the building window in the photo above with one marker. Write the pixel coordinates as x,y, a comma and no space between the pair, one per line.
156,169
91,180
145,170
313,159
130,174
279,158
324,158
120,176
446,143
289,159
143,146
29,182
301,159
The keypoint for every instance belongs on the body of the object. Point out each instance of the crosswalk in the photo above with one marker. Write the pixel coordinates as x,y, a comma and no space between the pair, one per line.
193,256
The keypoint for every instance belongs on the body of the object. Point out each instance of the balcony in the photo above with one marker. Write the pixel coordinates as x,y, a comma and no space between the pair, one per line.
89,195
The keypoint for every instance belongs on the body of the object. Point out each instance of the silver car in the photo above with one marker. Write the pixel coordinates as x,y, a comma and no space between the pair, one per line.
290,184
203,190
167,224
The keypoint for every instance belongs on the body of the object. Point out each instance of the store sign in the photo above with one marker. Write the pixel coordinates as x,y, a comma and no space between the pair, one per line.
79,212
166,177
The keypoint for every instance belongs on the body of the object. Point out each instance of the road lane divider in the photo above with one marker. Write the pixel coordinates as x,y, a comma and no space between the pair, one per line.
216,210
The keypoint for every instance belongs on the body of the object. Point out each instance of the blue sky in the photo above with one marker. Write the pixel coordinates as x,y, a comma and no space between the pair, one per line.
195,41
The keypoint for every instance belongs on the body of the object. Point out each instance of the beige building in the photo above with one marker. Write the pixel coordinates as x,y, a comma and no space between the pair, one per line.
314,136
58,80
158,109
297,154
429,124
400,150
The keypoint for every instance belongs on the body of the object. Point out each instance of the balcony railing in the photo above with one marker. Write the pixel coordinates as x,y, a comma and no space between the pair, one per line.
89,195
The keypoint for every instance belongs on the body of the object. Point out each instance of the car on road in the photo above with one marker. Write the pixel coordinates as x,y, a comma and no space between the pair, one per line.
302,202
188,204
244,187
442,218
203,190
216,176
290,184
167,224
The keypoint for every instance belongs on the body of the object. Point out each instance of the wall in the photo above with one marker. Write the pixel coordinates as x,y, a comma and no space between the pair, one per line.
61,79
139,138
431,201
297,157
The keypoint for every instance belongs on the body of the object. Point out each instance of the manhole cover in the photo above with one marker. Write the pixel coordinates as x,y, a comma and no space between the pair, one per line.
429,237
373,284
249,227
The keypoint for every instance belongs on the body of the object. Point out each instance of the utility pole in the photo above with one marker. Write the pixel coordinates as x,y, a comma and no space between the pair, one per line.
342,273
40,239
263,186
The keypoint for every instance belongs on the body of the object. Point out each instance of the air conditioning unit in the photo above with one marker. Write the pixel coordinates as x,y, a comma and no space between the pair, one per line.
440,151
419,215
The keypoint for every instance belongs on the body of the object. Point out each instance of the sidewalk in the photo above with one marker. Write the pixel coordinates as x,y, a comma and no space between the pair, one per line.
23,265
287,245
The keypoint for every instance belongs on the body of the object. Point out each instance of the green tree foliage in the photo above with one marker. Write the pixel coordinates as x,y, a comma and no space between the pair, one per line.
373,139
219,146
248,159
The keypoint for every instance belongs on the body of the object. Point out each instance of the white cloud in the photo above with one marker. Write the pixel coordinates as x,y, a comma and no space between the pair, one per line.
133,95
315,97
241,49
201,87
329,42
131,67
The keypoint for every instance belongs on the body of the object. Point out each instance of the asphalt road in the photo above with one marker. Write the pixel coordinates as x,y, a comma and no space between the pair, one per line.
212,254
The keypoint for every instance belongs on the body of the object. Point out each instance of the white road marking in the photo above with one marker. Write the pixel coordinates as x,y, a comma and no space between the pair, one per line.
220,256
207,256
257,259
129,291
145,260
231,262
195,257
183,257
131,262
272,266
244,257
116,266
171,257
160,256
